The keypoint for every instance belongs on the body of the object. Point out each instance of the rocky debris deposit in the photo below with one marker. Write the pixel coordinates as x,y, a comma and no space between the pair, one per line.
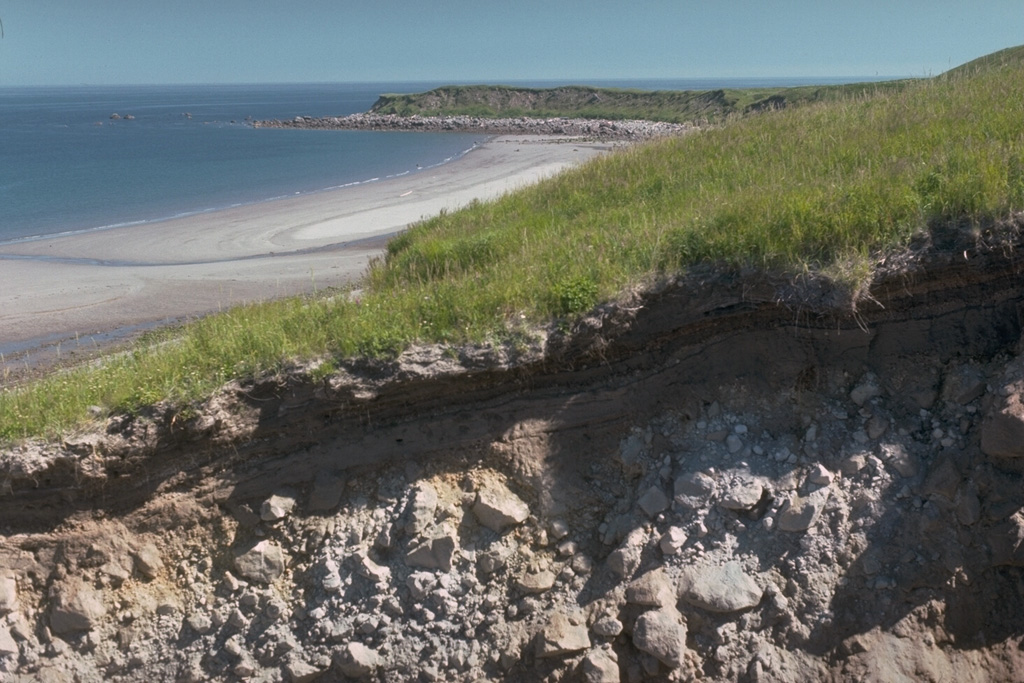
713,496
598,129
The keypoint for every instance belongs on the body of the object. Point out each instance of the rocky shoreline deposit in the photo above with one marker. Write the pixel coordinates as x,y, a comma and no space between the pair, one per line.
589,129
713,480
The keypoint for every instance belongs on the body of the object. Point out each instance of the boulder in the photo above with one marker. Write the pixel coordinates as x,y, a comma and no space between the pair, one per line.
497,508
262,563
722,589
662,634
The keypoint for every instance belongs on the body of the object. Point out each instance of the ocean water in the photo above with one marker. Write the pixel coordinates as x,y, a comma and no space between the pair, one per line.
67,166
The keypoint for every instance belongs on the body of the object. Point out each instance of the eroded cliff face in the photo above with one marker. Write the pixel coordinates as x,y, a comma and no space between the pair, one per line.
724,478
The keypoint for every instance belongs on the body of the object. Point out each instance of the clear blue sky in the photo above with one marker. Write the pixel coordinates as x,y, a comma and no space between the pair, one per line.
50,42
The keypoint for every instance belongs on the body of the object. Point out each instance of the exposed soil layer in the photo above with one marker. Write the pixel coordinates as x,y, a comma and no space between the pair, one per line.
728,476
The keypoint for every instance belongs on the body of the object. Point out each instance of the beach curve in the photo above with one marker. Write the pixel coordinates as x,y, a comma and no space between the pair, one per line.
79,290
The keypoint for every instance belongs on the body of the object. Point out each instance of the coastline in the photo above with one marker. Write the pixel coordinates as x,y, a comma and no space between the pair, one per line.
75,294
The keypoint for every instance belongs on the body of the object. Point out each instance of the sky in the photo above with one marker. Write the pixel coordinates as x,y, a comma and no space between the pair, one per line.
114,42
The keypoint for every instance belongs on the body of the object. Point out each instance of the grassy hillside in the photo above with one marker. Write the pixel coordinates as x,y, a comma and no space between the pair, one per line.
492,101
821,188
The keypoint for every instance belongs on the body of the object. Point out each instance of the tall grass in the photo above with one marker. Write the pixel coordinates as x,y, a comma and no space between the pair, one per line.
809,189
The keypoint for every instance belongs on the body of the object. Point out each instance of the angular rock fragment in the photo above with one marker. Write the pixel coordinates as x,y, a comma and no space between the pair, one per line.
263,563
431,553
743,496
326,493
497,508
672,541
694,490
653,589
148,562
625,559
75,607
662,633
601,666
277,507
722,589
1002,430
422,508
299,671
356,660
561,637
865,391
653,501
8,595
801,512
8,646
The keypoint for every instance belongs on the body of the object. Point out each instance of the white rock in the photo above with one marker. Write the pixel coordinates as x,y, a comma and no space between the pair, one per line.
277,507
820,475
497,508
8,594
672,540
8,646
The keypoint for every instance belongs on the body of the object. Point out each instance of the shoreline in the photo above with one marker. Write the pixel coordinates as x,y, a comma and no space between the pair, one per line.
70,295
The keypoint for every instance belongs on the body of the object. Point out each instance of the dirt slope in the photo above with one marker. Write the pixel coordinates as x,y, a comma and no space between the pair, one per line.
724,478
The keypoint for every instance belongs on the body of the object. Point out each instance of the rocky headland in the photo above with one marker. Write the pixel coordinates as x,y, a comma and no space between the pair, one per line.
589,129
726,477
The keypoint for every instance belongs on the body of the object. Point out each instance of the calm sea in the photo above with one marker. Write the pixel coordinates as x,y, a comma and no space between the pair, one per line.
66,165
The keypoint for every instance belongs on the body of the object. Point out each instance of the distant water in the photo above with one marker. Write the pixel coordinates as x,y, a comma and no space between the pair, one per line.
66,165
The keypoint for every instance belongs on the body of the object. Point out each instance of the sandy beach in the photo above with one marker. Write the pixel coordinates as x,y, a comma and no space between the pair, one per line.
81,291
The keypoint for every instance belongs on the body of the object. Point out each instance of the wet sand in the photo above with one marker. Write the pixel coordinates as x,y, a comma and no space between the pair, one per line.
81,291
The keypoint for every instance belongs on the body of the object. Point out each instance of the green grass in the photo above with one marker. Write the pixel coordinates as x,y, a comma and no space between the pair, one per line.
821,188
